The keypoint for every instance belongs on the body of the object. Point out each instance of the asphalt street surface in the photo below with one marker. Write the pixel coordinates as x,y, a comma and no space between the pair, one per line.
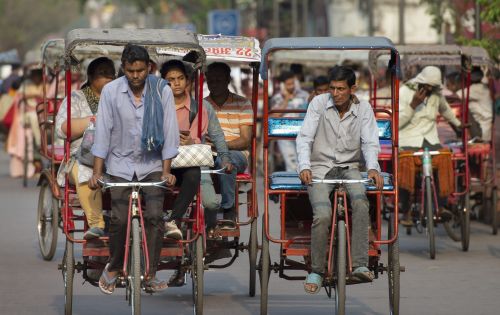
455,283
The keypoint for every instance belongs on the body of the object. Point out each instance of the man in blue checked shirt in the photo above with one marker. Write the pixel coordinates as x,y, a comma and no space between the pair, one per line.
136,138
338,131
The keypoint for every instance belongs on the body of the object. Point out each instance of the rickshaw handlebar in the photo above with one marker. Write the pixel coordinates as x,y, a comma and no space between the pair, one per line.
220,171
105,185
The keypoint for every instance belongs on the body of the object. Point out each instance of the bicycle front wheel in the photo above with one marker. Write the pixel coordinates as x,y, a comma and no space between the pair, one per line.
429,212
135,269
340,269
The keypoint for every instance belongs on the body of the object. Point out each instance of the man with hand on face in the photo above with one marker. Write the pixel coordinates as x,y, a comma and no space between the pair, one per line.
421,100
137,137
338,132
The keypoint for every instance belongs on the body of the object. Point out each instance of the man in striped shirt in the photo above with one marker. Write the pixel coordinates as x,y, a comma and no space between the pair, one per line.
236,119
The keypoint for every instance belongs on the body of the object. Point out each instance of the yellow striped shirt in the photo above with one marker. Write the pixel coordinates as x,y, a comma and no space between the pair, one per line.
234,113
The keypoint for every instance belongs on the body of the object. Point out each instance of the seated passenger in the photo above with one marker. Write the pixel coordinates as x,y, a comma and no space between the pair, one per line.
420,102
480,106
320,85
236,119
137,137
175,72
338,133
84,104
289,97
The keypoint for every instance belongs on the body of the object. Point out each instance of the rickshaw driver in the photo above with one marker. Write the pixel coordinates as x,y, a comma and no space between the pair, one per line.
136,136
336,130
421,100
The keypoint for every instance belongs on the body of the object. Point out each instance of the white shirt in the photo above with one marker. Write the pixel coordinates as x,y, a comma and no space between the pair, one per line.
419,124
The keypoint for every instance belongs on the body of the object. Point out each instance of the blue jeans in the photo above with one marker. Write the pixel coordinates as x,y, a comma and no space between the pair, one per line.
319,196
227,187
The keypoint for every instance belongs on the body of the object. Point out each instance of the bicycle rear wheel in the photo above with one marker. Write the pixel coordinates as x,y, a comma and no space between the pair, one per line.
465,223
429,212
393,270
340,269
252,256
197,275
68,272
47,225
264,272
135,269
494,214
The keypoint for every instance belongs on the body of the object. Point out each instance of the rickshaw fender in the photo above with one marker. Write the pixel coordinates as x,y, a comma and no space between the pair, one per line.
47,175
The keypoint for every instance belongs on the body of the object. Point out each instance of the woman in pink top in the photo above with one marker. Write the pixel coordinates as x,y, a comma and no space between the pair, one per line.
187,178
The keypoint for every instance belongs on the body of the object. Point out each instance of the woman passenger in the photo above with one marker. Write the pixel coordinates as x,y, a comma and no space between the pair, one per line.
84,104
176,73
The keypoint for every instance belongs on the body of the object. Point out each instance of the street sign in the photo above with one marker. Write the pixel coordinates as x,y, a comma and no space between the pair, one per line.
225,22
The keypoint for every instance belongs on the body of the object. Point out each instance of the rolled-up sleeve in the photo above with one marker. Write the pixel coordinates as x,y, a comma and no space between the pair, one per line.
103,125
170,126
370,145
306,134
62,116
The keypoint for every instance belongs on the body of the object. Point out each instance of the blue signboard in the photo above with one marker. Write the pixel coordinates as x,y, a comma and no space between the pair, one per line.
225,22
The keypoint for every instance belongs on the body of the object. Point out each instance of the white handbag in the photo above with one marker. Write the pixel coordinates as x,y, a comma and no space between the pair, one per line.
194,155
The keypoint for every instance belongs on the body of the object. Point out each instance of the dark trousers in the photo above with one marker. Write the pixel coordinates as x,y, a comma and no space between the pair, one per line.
152,198
188,179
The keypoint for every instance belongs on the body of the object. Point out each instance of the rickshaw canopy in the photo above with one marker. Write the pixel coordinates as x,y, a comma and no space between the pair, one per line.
238,49
53,54
84,43
33,59
326,43
423,55
478,55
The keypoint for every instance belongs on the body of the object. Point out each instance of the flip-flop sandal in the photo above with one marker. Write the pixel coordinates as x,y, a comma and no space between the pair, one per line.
106,284
155,285
363,274
315,279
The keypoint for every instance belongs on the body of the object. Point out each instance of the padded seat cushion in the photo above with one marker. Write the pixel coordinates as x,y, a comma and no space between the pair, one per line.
284,127
291,181
243,176
290,127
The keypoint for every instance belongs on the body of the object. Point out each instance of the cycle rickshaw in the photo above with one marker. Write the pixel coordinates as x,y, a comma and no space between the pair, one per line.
483,154
243,52
26,124
82,44
424,206
294,226
52,152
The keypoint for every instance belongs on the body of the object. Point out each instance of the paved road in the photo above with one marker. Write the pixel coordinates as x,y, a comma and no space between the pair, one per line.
454,283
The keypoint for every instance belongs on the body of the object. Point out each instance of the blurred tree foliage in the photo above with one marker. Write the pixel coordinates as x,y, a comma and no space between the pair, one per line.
24,23
490,13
